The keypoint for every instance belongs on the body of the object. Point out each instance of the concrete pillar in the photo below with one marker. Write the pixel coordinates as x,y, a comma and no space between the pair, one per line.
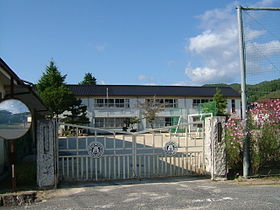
47,171
215,147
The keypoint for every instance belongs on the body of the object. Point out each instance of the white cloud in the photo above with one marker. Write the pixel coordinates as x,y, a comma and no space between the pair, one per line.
252,34
203,75
263,50
264,3
145,78
181,83
218,47
13,106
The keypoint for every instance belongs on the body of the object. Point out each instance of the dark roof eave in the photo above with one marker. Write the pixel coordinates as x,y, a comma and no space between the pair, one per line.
149,91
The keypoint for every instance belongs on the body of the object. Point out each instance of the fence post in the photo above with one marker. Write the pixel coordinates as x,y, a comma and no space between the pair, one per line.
215,147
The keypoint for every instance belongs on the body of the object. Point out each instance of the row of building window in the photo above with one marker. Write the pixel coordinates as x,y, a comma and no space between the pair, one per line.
112,102
198,101
165,103
125,103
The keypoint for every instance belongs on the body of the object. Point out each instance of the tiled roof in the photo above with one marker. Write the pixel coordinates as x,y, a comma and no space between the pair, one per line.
145,90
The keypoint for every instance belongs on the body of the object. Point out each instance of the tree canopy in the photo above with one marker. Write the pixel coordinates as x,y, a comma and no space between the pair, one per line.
58,97
221,102
53,91
76,113
89,79
50,78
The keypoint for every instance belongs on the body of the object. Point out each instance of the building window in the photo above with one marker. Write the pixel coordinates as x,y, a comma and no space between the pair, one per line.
98,102
112,103
99,122
161,122
111,122
166,103
198,101
233,106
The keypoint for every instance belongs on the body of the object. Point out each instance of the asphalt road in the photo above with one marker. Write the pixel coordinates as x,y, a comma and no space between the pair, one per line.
180,193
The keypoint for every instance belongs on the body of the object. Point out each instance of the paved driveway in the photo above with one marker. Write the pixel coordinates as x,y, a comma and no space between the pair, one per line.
181,193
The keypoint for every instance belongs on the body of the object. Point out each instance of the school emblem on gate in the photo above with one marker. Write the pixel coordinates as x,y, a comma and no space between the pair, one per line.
170,148
95,149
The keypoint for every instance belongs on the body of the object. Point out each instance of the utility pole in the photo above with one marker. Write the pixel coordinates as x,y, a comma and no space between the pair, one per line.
246,148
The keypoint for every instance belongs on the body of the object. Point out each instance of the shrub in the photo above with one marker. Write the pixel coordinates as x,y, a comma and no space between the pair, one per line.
263,125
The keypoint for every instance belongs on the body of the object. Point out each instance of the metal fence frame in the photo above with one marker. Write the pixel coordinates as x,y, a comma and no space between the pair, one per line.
127,157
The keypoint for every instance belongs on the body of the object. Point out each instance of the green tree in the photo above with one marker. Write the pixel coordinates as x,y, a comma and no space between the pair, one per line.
50,78
89,79
58,97
76,113
53,91
221,102
209,107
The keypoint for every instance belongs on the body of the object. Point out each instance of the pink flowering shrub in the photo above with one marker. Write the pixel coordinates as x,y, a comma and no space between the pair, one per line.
263,125
234,142
266,113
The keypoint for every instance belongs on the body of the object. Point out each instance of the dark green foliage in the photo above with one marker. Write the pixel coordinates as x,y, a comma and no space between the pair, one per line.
50,78
77,113
58,97
209,107
88,79
53,91
221,102
263,90
267,142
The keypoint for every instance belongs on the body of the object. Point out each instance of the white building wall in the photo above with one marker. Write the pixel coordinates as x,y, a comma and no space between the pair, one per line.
238,107
185,107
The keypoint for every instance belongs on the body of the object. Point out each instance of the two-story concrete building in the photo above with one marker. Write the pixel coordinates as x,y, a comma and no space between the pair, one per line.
109,105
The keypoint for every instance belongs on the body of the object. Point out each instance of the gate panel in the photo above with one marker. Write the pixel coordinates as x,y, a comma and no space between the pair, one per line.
130,155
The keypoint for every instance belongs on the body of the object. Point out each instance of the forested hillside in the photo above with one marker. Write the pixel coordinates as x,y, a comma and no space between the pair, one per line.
263,90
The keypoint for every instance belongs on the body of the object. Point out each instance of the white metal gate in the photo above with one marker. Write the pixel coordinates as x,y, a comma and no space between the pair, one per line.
109,155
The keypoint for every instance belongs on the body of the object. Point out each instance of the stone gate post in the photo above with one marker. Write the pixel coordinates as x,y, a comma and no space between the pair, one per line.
215,147
47,170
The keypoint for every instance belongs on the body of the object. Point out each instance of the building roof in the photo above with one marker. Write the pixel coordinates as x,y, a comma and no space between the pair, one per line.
22,90
145,90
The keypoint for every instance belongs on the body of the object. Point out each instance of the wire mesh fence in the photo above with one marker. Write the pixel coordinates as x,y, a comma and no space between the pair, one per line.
261,32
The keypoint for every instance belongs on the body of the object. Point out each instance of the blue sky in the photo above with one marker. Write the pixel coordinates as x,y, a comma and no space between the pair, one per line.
161,42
